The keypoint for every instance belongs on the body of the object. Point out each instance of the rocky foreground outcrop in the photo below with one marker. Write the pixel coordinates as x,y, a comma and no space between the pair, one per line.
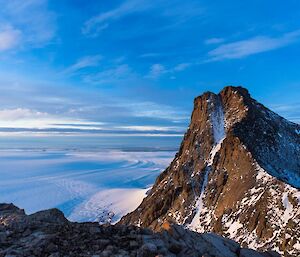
49,233
237,174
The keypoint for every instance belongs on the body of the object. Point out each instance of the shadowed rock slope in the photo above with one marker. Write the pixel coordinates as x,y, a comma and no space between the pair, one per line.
237,173
49,233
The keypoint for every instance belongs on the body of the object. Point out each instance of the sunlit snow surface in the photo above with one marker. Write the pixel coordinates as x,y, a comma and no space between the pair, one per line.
86,186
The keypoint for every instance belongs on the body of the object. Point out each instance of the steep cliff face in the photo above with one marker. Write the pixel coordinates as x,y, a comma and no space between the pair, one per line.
237,173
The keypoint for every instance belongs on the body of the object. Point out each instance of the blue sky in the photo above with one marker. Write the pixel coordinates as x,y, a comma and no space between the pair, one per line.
134,66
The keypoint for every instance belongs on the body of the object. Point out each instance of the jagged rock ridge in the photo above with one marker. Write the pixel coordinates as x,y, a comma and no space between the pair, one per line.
237,173
49,233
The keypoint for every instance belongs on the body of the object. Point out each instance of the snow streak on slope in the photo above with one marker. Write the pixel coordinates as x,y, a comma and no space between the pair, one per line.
218,121
199,204
218,128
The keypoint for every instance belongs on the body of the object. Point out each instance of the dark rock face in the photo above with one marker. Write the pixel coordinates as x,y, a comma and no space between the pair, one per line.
48,233
237,173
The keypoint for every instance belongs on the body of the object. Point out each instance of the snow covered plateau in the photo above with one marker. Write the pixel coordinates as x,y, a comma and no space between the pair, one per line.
86,185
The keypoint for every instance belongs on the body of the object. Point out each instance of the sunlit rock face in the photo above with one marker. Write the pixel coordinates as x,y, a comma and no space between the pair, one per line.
237,173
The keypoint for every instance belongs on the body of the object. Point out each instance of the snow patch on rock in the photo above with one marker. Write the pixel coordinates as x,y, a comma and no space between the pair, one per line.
218,128
217,120
288,208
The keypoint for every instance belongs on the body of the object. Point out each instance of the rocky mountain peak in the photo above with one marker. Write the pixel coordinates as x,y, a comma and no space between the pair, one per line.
222,111
229,91
237,173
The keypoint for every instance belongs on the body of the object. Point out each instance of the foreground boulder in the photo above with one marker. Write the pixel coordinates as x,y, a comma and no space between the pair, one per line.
49,233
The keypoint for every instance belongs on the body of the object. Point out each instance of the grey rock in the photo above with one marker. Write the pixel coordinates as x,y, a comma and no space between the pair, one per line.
249,253
175,247
51,248
48,233
54,255
148,250
3,237
133,244
106,253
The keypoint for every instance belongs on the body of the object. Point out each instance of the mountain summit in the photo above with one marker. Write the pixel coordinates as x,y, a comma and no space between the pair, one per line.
237,173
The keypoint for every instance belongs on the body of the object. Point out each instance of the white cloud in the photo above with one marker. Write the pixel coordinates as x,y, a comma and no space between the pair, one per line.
25,121
20,113
84,62
152,128
32,18
32,119
9,38
252,46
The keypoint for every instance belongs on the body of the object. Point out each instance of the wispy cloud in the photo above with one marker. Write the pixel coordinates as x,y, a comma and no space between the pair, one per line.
84,62
157,70
255,45
152,128
182,11
31,119
182,66
22,121
214,40
19,113
110,76
150,55
9,37
31,18
58,112
96,24
154,110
